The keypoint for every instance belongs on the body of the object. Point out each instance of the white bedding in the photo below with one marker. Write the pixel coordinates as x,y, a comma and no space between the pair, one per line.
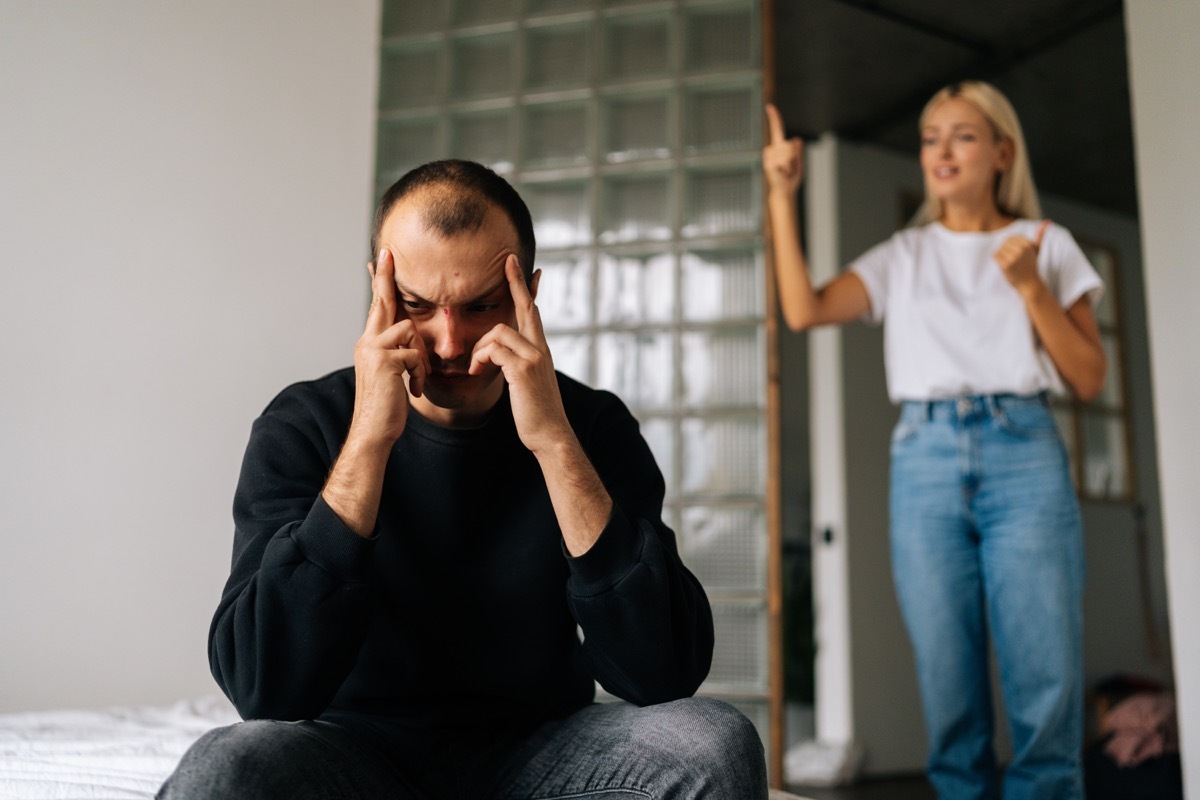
110,754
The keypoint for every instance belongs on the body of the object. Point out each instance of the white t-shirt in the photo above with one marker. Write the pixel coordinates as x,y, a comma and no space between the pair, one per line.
954,324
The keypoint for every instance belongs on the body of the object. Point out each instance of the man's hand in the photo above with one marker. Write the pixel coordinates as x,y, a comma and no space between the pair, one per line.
581,503
524,357
1017,258
385,354
783,158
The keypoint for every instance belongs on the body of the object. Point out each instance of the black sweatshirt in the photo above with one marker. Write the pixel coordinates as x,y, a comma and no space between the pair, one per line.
461,609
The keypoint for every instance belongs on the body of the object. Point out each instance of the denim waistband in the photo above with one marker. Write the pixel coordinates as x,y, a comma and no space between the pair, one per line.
968,405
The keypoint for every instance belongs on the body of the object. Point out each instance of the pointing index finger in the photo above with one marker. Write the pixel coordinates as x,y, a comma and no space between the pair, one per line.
522,299
1041,233
775,124
383,299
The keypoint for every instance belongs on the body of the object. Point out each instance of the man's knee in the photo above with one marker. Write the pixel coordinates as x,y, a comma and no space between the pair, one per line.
709,740
712,728
240,760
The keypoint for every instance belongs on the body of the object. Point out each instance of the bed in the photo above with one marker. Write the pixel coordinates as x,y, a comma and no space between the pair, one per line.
108,754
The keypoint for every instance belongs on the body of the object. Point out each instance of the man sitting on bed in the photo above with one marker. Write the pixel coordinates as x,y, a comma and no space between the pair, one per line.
439,551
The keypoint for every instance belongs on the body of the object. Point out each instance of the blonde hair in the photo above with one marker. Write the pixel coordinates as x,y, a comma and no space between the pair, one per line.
1015,193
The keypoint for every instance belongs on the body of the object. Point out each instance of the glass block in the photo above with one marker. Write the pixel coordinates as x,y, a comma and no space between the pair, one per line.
723,456
726,548
558,57
1111,395
405,18
659,434
561,213
483,65
636,289
483,136
740,655
565,292
572,355
721,39
637,367
716,285
636,208
410,75
404,144
1105,459
721,201
637,127
717,119
723,368
475,12
637,47
556,134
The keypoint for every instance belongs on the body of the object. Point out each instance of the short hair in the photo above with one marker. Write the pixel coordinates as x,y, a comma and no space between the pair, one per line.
1014,192
472,189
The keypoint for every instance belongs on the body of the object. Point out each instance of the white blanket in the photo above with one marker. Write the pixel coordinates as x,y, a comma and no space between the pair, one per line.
110,754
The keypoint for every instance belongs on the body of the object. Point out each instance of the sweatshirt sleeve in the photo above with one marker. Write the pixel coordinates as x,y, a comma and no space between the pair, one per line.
295,609
646,621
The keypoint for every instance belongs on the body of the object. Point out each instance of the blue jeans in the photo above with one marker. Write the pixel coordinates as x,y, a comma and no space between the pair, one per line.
986,537
686,750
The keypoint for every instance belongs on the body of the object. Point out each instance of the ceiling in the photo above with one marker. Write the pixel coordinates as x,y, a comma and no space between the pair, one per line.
863,69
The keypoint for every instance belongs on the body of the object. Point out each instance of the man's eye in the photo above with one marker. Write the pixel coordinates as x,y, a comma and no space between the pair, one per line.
415,306
483,308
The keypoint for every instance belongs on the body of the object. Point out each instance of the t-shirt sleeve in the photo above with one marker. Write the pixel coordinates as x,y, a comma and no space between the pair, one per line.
872,269
1067,272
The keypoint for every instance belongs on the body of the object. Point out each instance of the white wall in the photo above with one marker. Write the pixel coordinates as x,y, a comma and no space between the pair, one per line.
1163,63
184,207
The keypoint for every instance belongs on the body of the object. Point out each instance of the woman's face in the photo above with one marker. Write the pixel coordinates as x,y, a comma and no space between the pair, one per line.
960,154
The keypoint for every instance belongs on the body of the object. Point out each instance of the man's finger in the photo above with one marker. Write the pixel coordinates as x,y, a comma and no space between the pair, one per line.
1041,233
528,321
403,339
383,294
775,125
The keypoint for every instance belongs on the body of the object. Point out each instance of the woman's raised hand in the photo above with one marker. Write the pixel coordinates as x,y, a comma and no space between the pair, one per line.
783,158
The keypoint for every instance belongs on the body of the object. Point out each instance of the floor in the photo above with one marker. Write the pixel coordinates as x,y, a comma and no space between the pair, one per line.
906,787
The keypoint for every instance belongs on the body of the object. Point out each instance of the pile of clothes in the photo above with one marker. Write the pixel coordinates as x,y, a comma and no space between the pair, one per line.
1137,754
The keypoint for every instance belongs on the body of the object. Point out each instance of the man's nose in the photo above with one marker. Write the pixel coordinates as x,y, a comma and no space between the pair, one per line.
449,340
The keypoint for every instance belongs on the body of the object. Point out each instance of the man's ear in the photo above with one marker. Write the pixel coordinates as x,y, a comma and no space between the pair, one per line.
534,279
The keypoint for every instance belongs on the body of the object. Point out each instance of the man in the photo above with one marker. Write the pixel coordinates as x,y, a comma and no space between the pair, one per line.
439,551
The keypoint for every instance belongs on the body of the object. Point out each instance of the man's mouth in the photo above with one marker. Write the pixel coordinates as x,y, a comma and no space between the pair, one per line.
449,376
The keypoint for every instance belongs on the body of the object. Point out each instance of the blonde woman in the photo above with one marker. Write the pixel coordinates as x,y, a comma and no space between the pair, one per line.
987,308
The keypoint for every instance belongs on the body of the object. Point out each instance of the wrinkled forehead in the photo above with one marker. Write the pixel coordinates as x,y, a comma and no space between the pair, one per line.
446,266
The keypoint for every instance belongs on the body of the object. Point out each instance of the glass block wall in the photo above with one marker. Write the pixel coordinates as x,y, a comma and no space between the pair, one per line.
633,130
